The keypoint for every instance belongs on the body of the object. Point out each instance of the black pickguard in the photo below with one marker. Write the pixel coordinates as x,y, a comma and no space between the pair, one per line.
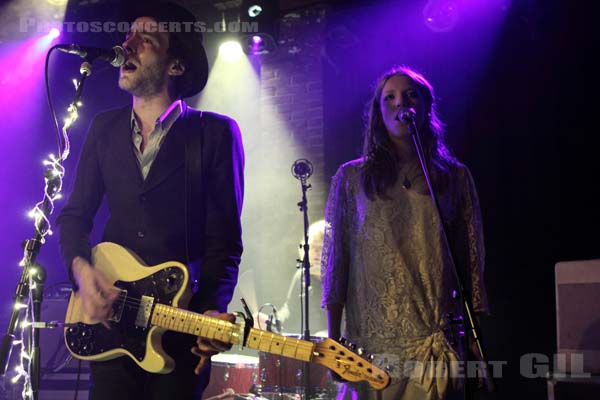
90,340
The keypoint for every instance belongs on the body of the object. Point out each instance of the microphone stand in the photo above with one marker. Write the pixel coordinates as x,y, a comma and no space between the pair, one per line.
33,275
302,169
465,299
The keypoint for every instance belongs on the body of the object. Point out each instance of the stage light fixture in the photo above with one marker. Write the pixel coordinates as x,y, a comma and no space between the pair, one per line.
263,17
441,15
254,10
259,43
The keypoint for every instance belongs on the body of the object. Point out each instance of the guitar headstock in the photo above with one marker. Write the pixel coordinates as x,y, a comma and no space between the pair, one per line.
348,364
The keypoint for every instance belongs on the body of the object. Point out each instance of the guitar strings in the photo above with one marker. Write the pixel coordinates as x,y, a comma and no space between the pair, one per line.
125,300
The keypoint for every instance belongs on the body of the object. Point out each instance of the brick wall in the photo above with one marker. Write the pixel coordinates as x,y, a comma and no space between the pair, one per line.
290,127
292,93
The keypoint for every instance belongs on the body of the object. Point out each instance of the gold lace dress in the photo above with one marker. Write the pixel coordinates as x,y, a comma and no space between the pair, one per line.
385,262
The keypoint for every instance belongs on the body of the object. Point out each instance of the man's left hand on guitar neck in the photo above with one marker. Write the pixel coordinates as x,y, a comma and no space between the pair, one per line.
206,348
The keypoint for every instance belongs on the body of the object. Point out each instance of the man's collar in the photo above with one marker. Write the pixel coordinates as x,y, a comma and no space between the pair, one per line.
167,118
171,114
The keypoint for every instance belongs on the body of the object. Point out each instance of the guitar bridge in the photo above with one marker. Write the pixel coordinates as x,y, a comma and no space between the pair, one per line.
144,312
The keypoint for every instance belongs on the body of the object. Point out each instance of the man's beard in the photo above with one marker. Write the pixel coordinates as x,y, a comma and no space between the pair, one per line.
147,82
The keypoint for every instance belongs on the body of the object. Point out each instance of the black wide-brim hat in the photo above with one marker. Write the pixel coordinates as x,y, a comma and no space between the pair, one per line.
185,42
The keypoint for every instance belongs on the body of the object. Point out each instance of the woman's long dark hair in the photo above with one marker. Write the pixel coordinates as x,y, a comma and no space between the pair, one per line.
382,162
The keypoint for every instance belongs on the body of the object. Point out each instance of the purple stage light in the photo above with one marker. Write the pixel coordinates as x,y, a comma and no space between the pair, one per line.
256,39
22,70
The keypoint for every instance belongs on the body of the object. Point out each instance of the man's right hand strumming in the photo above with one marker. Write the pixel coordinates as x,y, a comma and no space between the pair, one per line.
97,293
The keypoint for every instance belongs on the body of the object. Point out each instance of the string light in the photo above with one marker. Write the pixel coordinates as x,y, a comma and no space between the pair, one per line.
17,377
53,185
53,179
72,117
22,370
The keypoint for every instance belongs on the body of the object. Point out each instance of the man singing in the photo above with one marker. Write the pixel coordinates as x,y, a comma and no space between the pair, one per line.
173,181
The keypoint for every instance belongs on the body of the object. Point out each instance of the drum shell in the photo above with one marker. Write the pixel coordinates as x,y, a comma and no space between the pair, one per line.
232,371
285,375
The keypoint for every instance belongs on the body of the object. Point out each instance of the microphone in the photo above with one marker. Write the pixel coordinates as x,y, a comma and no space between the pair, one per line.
302,169
115,56
270,321
407,115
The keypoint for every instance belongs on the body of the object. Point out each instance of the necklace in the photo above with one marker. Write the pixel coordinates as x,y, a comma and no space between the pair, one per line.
408,170
406,184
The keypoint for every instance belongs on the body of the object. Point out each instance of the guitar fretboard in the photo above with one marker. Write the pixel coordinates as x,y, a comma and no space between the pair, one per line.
184,321
283,345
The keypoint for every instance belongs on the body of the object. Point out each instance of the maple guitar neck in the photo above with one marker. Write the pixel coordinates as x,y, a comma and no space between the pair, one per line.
184,321
349,365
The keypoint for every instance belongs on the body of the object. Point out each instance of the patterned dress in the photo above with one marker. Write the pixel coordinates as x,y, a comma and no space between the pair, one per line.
386,262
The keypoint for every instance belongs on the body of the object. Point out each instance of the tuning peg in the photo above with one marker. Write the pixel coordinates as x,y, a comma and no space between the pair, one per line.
342,340
370,357
352,346
360,351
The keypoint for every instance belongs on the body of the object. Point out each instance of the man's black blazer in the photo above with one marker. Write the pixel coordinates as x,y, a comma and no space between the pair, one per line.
187,209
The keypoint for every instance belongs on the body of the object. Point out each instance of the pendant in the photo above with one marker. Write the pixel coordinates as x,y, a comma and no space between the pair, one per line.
406,183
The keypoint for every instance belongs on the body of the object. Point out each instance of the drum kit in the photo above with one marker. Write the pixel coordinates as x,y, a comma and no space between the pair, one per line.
271,376
266,377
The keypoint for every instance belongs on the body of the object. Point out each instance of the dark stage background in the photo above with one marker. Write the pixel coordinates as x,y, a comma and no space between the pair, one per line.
523,122
519,103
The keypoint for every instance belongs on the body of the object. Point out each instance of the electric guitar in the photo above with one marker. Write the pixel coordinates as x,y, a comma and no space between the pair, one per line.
149,304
